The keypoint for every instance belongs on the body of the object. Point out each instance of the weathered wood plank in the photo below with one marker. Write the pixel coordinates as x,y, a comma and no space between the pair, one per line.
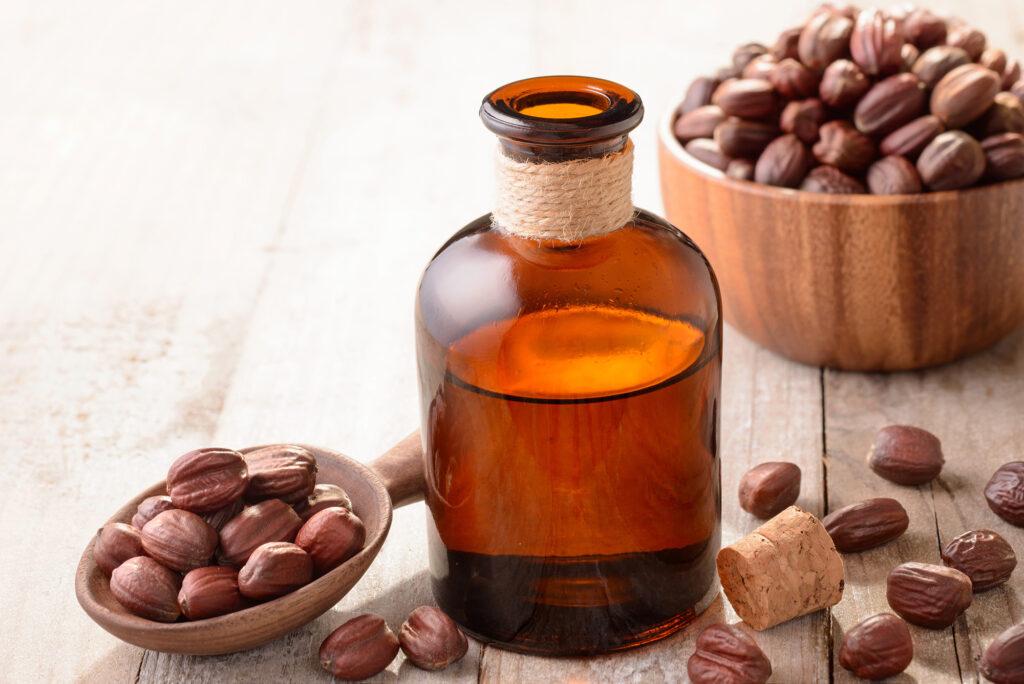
145,168
151,157
975,409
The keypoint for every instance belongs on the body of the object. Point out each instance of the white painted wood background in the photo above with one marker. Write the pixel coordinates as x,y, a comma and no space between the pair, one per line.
213,216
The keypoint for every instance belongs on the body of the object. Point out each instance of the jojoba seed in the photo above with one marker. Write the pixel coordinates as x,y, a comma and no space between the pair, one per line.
431,640
116,543
1005,493
358,649
906,455
768,488
877,647
982,555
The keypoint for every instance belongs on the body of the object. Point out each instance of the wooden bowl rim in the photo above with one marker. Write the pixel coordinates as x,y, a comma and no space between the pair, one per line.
325,590
668,140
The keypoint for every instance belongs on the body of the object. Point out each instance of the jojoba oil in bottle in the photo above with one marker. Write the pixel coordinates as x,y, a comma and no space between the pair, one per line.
569,356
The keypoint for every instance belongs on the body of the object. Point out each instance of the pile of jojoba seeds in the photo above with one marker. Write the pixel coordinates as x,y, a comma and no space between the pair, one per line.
889,102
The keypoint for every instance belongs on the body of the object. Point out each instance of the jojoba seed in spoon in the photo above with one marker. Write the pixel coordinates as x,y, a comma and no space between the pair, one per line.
116,543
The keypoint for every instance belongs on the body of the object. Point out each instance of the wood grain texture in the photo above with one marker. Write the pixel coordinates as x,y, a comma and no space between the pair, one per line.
975,408
856,282
146,168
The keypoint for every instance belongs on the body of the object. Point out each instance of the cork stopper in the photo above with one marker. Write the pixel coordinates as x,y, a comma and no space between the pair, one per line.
786,568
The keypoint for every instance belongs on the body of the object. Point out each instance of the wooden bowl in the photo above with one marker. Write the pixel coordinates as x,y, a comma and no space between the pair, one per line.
857,282
399,472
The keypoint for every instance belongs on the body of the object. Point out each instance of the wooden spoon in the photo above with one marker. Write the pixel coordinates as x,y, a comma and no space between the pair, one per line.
394,479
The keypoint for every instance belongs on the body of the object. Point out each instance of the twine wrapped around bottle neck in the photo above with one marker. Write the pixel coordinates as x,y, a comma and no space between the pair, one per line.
568,201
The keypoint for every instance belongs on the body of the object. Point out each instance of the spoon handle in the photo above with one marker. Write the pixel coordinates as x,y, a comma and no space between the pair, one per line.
400,468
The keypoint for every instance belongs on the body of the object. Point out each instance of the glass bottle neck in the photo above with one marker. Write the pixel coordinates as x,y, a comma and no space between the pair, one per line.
545,153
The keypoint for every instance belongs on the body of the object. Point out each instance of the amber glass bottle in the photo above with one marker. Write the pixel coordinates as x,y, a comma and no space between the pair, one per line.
570,390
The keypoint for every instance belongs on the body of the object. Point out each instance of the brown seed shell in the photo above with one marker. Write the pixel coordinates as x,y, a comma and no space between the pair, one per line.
708,151
928,595
331,537
219,518
994,59
909,139
964,94
740,169
794,80
206,480
149,508
768,488
908,56
893,175
1003,661
936,62
825,38
875,42
843,84
784,162
358,649
268,521
180,540
830,180
906,455
698,94
952,160
147,589
725,653
866,524
970,39
274,569
803,118
727,73
877,647
889,104
280,472
324,496
742,138
786,44
747,98
924,29
1011,74
761,67
1005,492
982,555
699,123
742,55
1004,156
209,592
116,543
844,147
1006,115
431,640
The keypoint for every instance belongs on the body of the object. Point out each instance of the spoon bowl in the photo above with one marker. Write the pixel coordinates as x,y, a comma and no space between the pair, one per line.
396,478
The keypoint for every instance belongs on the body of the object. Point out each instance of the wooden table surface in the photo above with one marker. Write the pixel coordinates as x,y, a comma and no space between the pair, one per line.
214,217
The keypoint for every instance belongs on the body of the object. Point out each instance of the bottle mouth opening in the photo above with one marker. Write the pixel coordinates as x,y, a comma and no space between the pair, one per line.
562,105
561,109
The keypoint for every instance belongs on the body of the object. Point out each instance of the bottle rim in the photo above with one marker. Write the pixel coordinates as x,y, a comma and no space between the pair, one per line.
522,110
